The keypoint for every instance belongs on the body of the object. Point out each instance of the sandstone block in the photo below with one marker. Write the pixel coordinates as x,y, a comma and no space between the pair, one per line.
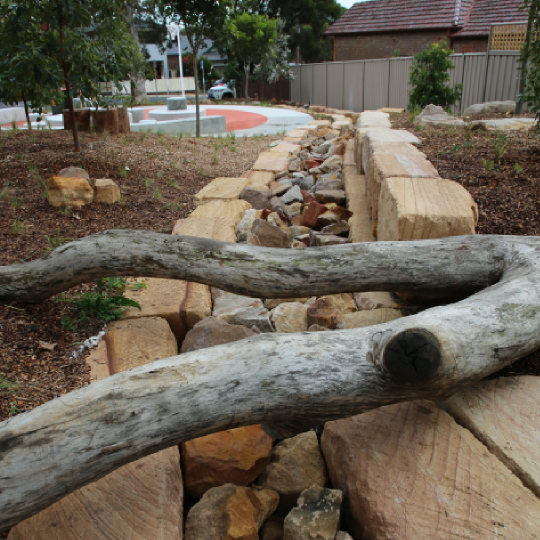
107,191
410,472
290,317
339,228
503,415
216,228
343,302
264,234
223,513
135,342
272,303
373,119
224,189
211,332
316,516
233,210
279,188
320,123
327,240
259,178
333,163
360,224
386,166
236,456
418,209
371,317
296,464
321,316
69,192
296,134
286,146
274,162
224,301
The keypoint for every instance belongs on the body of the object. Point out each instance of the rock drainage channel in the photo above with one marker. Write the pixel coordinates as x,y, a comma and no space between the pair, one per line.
323,184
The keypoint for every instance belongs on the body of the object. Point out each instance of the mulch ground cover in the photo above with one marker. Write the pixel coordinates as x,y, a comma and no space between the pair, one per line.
158,176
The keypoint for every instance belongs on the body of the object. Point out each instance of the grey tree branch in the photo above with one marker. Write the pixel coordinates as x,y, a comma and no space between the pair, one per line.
281,379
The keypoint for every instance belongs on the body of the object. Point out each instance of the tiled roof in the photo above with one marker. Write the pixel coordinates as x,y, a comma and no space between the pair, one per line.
388,15
468,17
486,12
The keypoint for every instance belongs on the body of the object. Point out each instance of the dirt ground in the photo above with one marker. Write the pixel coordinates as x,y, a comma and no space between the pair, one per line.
158,176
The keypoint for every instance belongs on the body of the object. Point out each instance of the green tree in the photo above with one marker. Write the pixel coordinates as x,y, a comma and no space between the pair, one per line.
275,62
80,42
200,18
530,60
249,36
429,78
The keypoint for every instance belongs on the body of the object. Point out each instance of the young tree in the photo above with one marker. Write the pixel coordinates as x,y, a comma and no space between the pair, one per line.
249,37
78,43
200,19
275,63
529,90
429,78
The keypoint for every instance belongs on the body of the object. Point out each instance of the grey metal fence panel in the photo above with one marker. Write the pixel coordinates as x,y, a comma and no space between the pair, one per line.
474,79
456,76
398,84
334,85
296,85
376,77
353,86
502,81
306,83
319,84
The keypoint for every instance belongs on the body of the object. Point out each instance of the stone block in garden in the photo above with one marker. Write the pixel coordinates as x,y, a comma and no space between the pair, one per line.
222,209
75,192
224,189
107,191
274,162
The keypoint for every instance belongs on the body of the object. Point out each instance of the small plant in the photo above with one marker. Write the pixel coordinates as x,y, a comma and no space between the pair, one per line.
429,78
123,171
41,182
215,159
455,149
160,133
468,133
18,227
489,164
107,303
517,167
66,211
105,135
233,149
159,174
173,206
173,183
16,203
157,194
180,136
125,140
56,241
136,285
68,324
148,182
201,172
6,383
500,146
14,410
231,136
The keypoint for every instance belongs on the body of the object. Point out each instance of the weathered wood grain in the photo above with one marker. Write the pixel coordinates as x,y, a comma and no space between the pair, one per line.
280,379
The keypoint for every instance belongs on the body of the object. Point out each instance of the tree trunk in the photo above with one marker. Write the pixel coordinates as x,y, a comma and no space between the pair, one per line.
290,381
138,79
246,72
28,123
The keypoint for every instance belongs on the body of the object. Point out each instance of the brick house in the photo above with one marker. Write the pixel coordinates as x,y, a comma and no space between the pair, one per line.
385,28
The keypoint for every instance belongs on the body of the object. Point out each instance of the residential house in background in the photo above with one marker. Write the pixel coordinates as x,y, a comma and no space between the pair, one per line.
386,28
165,64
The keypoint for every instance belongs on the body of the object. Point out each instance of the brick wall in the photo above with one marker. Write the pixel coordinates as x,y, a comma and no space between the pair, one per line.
470,45
385,45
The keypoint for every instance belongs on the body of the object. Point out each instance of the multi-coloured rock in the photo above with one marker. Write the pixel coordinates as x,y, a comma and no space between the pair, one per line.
107,191
290,317
75,192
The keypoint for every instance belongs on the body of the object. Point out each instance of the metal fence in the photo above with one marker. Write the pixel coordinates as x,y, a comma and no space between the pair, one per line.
372,84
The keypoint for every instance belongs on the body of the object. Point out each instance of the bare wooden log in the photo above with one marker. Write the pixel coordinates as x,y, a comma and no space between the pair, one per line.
280,379
464,263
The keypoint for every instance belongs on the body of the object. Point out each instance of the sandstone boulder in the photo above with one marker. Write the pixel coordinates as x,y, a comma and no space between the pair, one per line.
374,300
322,316
233,210
290,317
245,224
74,192
215,228
316,517
490,107
295,465
259,178
274,162
249,316
420,209
326,196
224,301
236,456
107,191
360,319
211,332
264,234
224,189
272,303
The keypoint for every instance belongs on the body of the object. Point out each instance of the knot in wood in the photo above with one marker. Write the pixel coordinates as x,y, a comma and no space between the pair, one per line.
412,356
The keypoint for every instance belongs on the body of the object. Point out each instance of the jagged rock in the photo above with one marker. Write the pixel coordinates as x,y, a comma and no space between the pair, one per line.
490,107
332,163
297,244
318,239
298,230
249,316
236,456
300,174
75,172
313,163
264,234
272,303
294,209
318,328
245,224
340,228
224,301
268,499
311,214
295,465
306,183
279,188
336,196
212,331
224,189
323,316
296,165
293,195
343,302
329,185
316,517
74,192
256,196
374,300
341,535
107,191
290,317
370,317
277,205
223,513
436,116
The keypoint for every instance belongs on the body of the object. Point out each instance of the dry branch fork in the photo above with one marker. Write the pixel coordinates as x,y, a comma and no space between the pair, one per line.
286,380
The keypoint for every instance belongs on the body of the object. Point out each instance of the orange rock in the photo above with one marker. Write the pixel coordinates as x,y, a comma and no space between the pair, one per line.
236,456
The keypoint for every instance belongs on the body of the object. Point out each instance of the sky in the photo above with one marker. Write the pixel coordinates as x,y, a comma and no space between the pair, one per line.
348,3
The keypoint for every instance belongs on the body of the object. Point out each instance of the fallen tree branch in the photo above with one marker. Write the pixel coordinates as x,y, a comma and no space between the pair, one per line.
281,379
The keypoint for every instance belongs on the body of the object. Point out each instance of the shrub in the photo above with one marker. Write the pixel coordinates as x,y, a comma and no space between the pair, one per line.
429,78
